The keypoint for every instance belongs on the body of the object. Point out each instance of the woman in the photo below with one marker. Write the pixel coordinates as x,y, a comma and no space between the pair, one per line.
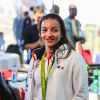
57,72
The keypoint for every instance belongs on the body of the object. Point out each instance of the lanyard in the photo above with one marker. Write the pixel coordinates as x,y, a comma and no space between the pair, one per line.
44,79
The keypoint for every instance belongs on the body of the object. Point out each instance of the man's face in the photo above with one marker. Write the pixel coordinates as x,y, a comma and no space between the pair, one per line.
38,16
73,12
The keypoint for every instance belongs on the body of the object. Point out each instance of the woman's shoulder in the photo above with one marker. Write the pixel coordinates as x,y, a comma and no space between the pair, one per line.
75,55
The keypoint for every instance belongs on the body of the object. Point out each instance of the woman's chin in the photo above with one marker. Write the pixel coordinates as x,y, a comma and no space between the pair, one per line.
50,45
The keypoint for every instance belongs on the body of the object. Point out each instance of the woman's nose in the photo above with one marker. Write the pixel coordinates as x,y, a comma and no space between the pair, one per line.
49,33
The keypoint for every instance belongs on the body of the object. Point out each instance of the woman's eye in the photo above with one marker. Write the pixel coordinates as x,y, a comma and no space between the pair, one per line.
43,30
55,30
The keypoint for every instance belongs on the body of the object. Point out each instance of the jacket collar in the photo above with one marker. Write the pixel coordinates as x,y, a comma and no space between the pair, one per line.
61,52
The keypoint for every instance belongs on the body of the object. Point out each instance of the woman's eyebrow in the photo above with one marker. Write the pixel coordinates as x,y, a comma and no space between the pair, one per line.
43,27
55,27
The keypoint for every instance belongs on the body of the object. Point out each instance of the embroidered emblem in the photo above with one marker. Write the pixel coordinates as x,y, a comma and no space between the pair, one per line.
60,67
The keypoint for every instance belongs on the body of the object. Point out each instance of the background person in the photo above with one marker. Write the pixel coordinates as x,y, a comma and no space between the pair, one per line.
55,9
27,22
57,72
18,27
72,25
31,34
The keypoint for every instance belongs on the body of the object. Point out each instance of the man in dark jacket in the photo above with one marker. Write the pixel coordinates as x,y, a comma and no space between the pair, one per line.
31,34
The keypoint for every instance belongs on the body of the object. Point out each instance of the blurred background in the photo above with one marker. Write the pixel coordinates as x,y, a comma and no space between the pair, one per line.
88,15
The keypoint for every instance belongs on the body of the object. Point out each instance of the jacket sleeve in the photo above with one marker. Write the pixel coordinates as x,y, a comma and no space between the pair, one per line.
80,80
30,82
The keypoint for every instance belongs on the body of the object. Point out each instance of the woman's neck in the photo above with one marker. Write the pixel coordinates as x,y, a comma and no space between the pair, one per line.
53,48
48,51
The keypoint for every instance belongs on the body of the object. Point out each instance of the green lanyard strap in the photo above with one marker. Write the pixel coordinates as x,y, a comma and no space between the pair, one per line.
44,79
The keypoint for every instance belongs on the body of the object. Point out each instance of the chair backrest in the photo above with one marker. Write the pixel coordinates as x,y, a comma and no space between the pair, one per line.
87,56
13,49
85,53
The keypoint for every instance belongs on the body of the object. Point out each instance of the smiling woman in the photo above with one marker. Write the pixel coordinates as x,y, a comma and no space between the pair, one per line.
56,71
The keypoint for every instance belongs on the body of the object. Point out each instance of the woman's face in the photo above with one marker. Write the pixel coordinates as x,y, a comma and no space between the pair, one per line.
50,32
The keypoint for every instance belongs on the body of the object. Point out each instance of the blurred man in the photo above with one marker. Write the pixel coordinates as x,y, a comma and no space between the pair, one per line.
31,12
73,26
55,9
18,27
27,21
31,34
